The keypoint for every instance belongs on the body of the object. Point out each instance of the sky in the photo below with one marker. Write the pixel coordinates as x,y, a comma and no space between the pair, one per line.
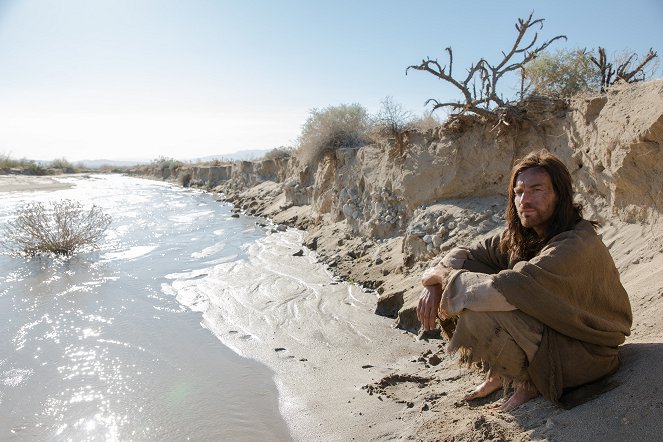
142,79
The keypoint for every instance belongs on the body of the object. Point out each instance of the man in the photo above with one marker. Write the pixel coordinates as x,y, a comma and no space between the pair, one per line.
541,305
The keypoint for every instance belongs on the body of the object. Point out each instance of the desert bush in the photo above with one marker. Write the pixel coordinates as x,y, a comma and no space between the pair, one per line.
184,179
6,162
563,73
163,164
27,166
392,121
63,165
60,227
33,168
278,153
331,128
426,122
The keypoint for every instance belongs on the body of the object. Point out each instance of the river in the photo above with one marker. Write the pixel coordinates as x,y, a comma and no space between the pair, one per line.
98,346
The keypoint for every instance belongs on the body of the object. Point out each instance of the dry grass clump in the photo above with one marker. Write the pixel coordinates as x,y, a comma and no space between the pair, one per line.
278,153
60,227
333,127
393,122
29,167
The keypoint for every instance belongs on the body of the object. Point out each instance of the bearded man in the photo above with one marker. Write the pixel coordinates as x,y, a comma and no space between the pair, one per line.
541,304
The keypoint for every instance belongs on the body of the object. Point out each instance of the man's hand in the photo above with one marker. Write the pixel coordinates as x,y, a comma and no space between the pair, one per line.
429,303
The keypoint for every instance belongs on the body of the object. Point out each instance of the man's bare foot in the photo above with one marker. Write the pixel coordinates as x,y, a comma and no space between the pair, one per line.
519,397
491,384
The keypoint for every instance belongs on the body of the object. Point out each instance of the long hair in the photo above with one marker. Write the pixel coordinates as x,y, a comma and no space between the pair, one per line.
523,243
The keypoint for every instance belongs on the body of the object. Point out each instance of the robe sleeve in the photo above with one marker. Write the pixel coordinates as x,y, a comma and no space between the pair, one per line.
486,257
456,257
473,291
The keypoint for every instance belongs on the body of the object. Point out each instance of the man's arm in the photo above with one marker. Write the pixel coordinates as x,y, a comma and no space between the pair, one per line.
486,257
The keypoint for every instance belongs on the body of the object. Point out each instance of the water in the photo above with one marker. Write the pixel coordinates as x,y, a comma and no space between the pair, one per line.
97,347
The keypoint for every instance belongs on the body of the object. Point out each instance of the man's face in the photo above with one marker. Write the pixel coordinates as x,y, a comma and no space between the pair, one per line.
535,199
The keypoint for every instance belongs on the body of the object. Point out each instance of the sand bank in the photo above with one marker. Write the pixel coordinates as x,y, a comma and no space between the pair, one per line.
28,183
379,219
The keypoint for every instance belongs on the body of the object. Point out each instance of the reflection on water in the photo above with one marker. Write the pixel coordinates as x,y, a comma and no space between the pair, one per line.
92,348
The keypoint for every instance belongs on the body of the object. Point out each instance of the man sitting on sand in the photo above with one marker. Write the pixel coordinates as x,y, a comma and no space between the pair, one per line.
541,304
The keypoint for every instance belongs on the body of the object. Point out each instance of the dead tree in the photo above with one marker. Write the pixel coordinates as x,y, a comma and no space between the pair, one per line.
480,100
624,72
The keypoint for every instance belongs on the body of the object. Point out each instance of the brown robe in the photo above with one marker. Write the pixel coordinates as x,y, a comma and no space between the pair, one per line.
572,287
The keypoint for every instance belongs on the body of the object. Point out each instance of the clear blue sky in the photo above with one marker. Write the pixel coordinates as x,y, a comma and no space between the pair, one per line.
87,79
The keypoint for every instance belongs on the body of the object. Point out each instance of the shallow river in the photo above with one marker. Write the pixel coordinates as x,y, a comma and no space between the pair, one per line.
98,347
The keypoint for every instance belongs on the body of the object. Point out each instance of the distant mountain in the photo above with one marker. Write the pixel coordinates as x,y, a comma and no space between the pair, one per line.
96,164
242,155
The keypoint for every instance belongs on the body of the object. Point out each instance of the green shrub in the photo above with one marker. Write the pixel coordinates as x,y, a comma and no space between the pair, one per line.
563,73
333,127
60,227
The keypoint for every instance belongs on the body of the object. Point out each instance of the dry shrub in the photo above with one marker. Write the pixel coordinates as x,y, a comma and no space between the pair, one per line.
278,153
427,122
60,227
332,128
393,122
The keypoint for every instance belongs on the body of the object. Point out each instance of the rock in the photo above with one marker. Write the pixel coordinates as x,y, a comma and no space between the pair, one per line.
347,210
428,239
300,252
281,228
484,227
437,240
434,360
235,215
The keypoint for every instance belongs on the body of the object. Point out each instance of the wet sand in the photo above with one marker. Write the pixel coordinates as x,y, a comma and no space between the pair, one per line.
29,183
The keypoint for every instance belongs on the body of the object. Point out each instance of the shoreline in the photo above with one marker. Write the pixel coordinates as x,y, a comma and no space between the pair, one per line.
31,183
425,386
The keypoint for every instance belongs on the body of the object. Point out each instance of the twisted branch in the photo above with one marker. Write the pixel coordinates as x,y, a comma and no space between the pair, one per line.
479,101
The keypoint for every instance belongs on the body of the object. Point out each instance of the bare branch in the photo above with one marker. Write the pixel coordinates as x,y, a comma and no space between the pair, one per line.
484,75
629,77
622,73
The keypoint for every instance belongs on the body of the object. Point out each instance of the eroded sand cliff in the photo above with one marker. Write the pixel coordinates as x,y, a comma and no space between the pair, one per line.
378,218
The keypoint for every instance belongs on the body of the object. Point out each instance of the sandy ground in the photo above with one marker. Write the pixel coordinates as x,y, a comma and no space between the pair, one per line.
412,389
27,183
319,336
